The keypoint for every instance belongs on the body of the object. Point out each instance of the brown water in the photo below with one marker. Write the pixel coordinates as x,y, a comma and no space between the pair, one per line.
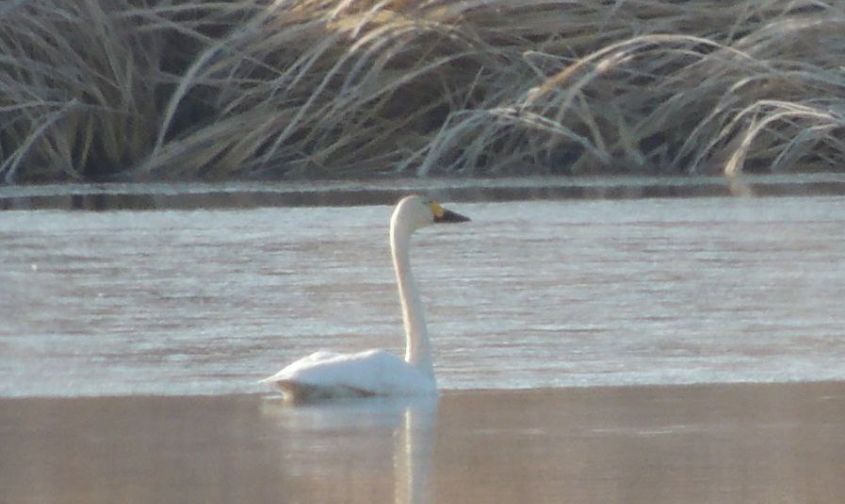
728,444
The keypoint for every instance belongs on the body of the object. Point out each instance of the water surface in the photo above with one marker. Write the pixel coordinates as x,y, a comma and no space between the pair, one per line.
746,444
528,295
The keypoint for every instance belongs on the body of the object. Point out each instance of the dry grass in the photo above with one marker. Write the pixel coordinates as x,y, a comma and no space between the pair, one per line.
203,89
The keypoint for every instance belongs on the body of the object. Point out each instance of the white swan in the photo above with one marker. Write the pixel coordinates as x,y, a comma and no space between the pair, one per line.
377,372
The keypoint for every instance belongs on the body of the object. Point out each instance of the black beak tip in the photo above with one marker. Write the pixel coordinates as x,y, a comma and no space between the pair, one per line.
451,217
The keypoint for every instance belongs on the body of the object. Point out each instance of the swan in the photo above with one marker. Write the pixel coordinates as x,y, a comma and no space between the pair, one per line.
324,375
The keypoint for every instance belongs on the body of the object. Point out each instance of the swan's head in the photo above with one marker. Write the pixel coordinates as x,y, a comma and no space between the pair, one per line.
414,212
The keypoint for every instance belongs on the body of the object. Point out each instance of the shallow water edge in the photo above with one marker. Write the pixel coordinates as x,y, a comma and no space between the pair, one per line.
747,443
189,196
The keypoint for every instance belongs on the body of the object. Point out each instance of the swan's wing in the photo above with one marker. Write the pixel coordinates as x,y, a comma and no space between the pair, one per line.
301,367
372,372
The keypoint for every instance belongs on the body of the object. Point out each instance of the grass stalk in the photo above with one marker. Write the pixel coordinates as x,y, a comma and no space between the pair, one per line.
216,89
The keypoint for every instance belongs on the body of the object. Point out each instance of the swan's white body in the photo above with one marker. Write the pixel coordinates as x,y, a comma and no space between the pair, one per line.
371,373
377,372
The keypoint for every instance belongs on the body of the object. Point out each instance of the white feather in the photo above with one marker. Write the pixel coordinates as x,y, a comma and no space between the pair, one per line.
377,372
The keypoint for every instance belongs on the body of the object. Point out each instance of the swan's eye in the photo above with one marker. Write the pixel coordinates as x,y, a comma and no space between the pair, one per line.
436,209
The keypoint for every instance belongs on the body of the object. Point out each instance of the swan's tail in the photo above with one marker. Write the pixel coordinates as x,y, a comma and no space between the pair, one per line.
295,391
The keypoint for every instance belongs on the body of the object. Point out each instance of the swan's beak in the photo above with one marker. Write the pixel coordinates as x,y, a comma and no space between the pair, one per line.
442,216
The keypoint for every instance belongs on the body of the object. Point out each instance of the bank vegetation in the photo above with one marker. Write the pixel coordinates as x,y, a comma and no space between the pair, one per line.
138,90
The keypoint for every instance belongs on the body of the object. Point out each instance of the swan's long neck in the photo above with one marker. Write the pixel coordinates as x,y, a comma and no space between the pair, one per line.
418,351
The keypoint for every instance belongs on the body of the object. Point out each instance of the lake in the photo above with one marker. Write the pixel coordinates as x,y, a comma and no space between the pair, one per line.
640,350
529,294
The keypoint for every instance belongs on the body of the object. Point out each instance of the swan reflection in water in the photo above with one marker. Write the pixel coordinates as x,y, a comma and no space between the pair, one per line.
378,400
347,442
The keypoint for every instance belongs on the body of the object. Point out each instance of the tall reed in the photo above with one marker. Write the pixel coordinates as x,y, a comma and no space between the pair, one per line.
205,89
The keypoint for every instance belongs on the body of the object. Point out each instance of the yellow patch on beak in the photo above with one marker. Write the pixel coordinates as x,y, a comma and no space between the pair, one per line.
436,209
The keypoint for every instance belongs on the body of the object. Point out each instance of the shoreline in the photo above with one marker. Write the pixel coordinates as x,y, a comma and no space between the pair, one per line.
241,195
